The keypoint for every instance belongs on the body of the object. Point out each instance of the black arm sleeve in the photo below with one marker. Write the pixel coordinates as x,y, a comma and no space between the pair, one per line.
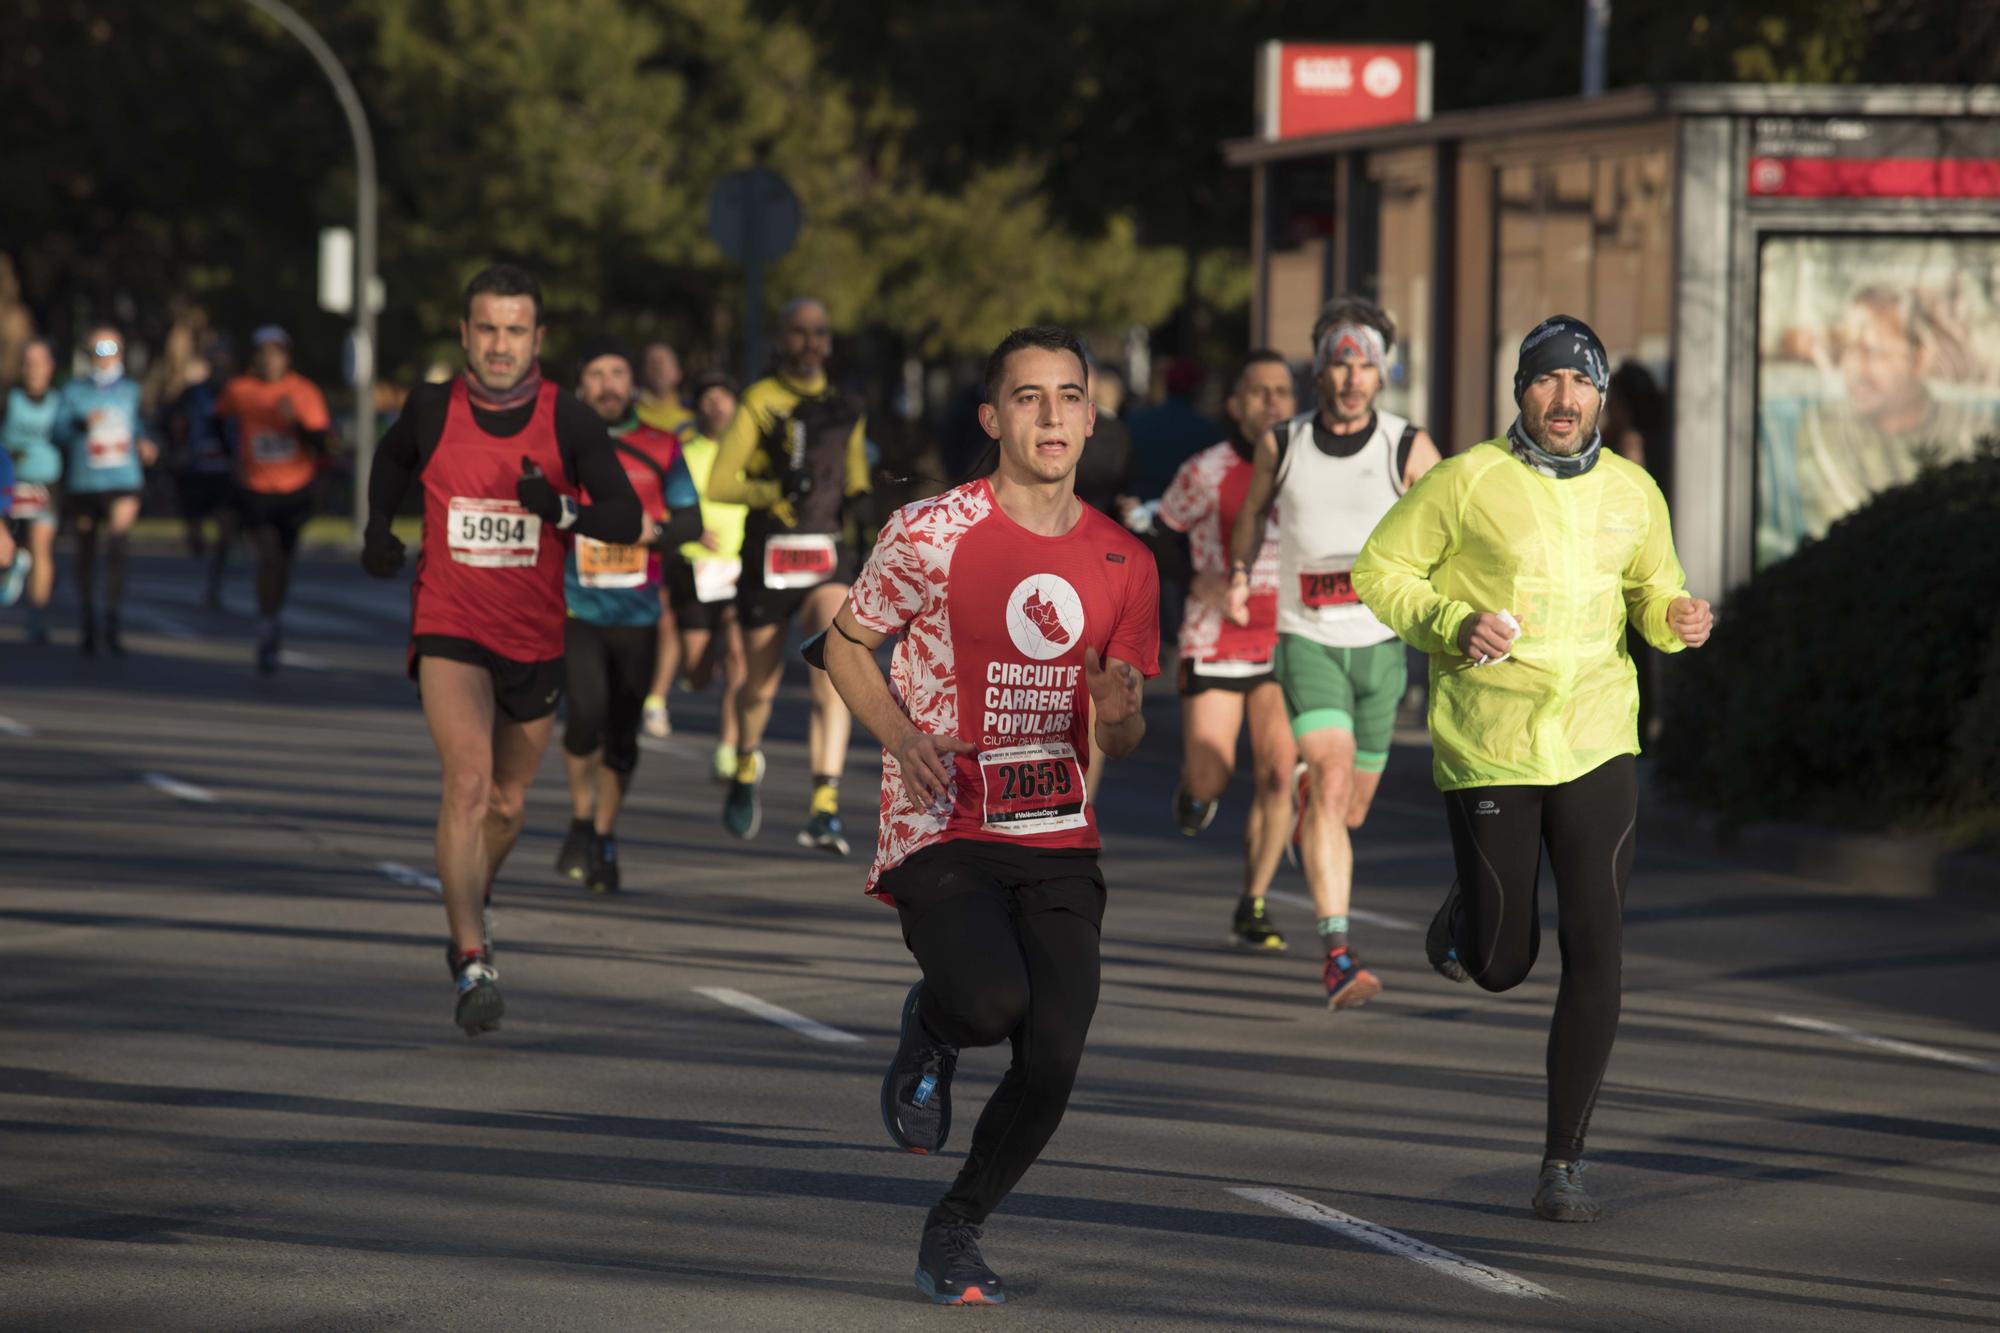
397,462
683,525
1171,553
613,514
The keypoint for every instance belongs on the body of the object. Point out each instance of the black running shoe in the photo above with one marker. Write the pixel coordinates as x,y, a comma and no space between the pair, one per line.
1253,929
87,642
601,875
479,1004
1561,1197
1438,946
949,1268
824,832
742,812
269,649
916,1092
1190,815
574,858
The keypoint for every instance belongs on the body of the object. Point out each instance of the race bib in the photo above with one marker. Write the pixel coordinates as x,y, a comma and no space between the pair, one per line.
272,447
1327,587
799,560
601,565
715,580
1031,789
492,534
31,500
108,442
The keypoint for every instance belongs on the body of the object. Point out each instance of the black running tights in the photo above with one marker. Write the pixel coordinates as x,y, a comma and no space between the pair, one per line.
1497,836
116,547
1007,939
608,669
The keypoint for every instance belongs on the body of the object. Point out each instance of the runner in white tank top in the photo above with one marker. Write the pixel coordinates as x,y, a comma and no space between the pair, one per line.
1333,474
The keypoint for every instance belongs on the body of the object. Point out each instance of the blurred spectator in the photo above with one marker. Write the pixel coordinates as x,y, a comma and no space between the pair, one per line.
1635,414
1167,435
1108,466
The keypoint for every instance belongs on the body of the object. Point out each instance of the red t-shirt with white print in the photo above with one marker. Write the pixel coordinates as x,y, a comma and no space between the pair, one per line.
994,620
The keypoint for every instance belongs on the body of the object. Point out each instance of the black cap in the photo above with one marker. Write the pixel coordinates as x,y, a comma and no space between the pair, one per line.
601,345
1561,342
710,379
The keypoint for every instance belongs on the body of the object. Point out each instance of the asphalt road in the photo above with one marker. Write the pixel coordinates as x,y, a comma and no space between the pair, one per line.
231,1096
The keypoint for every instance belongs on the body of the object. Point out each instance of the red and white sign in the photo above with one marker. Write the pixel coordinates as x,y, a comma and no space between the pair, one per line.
1876,177
1309,88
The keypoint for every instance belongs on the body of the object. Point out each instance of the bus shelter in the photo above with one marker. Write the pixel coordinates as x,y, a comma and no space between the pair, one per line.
1810,275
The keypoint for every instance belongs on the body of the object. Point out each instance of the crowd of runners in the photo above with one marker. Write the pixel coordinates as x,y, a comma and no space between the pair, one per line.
587,547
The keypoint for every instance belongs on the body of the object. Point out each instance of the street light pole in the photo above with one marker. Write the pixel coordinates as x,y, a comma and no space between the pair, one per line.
364,251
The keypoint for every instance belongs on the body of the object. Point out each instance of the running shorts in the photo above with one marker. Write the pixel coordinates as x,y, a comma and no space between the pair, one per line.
690,612
284,511
94,505
525,691
1355,690
1232,677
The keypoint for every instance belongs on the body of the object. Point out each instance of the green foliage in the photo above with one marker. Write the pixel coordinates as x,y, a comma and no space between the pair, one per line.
1859,680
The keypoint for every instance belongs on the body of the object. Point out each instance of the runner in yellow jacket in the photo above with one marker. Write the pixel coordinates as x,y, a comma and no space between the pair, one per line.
1517,565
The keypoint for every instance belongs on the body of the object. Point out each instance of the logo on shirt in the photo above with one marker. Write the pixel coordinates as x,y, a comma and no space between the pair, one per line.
1044,616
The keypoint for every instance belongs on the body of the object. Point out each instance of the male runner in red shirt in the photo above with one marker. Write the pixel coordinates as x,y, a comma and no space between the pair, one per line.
1024,616
502,456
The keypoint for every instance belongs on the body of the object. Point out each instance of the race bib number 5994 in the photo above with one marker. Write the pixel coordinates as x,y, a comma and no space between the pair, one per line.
492,534
1032,789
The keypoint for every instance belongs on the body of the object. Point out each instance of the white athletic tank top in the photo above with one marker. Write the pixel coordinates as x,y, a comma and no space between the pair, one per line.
1330,506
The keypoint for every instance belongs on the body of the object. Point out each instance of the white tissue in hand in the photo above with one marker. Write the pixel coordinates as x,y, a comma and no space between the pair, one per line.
1507,619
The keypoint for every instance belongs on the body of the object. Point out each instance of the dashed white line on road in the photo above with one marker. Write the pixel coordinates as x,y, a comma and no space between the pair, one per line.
409,878
771,1013
1888,1043
1366,918
180,791
9,727
1396,1243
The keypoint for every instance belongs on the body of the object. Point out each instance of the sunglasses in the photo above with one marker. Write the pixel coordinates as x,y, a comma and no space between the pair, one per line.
105,347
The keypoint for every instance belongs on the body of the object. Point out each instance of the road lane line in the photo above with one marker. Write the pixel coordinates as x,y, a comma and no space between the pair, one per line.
305,661
1366,918
180,791
172,627
1395,1242
769,1012
409,878
1888,1043
9,727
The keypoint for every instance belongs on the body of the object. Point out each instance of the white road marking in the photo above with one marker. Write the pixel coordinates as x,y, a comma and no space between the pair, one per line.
1366,918
304,661
180,791
9,727
408,878
771,1013
1888,1043
1396,1243
161,623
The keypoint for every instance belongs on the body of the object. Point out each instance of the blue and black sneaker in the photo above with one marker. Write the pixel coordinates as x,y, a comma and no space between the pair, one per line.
1438,945
950,1269
601,876
742,812
916,1092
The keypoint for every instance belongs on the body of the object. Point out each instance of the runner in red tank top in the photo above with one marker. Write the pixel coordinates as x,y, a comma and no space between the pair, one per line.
502,459
1026,619
1225,671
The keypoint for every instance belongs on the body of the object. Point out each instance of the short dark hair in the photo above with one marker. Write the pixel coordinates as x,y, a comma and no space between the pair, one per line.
504,280
1048,337
1351,309
1257,356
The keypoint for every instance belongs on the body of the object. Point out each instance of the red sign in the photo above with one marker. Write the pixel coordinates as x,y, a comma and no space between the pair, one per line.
1306,88
1875,177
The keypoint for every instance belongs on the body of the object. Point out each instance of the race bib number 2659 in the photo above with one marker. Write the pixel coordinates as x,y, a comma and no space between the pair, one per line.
1032,789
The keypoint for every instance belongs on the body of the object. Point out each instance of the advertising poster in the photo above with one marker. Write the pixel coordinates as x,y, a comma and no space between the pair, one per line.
1874,355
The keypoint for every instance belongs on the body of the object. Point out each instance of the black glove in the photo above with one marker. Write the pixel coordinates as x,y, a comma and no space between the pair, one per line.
535,493
797,483
381,553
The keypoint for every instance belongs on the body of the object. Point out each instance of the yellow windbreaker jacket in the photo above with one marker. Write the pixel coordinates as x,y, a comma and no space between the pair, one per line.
1574,559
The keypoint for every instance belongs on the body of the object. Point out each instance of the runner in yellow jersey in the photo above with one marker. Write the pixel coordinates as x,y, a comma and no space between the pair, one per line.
702,579
1517,566
794,454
